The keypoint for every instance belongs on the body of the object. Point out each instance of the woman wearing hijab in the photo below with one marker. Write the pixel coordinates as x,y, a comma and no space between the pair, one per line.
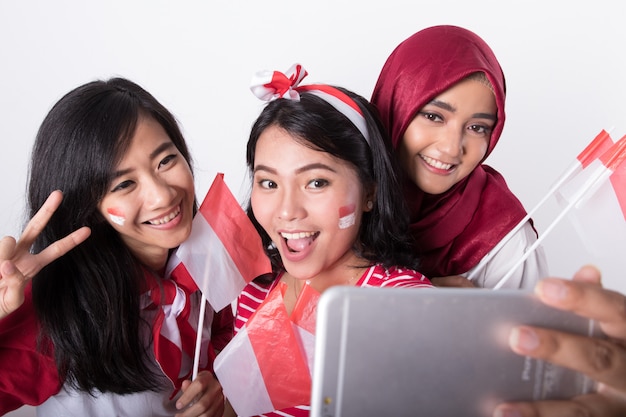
441,95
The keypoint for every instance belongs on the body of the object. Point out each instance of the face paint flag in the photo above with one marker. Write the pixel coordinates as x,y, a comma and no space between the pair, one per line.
262,369
599,217
582,178
224,251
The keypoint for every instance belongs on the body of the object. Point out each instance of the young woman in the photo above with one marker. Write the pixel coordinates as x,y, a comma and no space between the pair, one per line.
324,198
109,316
441,97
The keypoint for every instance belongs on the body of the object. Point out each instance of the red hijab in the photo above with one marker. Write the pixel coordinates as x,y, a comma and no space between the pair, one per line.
453,230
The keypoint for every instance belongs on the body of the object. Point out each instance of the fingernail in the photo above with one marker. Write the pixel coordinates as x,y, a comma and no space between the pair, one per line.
554,290
524,339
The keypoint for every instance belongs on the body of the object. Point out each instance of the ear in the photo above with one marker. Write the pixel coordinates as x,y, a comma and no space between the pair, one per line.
369,199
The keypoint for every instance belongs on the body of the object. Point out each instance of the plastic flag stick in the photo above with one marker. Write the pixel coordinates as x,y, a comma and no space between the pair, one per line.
610,161
591,152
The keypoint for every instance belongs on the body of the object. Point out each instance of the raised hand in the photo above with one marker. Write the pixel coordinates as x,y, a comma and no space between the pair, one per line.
18,265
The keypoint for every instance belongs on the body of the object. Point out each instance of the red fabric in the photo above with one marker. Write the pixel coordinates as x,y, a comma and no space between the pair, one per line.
253,296
26,376
453,230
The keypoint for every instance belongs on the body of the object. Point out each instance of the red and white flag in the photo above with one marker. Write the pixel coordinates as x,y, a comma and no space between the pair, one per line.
570,179
224,251
599,217
263,369
303,318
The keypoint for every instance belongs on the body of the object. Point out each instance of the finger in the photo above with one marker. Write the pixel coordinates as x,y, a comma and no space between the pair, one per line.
7,247
589,300
588,273
12,285
55,251
190,393
591,405
206,405
602,360
39,221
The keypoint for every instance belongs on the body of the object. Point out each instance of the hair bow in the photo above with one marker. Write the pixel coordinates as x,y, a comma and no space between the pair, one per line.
270,85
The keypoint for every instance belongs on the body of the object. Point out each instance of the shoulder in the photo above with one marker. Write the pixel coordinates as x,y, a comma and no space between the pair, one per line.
379,276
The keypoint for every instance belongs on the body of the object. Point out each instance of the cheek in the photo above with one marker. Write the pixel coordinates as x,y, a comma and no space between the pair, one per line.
260,208
116,215
347,216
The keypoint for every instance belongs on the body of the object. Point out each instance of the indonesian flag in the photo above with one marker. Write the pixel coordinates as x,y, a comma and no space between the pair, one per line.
599,216
224,251
265,367
578,180
303,320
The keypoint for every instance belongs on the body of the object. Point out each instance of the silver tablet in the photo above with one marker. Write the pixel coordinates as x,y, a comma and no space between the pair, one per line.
432,352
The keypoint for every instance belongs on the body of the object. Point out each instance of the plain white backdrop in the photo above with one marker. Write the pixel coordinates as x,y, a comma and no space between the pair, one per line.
564,63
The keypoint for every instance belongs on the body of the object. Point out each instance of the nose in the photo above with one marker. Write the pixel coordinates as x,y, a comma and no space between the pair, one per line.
291,205
157,192
451,139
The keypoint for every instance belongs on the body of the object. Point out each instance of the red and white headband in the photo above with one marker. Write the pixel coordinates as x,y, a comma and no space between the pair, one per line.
271,85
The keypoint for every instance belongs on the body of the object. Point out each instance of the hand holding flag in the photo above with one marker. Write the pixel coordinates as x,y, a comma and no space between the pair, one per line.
223,253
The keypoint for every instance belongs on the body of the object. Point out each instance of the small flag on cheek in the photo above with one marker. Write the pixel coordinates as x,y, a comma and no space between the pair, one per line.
347,216
116,216
263,369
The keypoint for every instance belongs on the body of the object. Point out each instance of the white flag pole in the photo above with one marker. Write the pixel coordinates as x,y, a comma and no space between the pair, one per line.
597,178
493,252
513,231
196,357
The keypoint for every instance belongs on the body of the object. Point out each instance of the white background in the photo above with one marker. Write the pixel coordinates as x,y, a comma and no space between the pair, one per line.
564,63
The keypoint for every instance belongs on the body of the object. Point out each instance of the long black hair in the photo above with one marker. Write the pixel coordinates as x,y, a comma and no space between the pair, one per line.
383,235
88,300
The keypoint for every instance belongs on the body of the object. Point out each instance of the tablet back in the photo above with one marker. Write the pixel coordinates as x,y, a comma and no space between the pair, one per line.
432,352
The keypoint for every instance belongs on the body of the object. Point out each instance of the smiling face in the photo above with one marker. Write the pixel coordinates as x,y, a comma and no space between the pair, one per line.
309,203
151,196
449,136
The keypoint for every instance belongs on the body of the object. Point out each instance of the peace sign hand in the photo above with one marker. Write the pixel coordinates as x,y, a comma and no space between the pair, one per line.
18,265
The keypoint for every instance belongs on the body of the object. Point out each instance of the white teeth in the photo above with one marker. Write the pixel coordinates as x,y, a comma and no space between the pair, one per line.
435,163
299,235
165,219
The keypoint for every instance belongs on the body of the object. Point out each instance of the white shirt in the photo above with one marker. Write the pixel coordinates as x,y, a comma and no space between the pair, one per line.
534,268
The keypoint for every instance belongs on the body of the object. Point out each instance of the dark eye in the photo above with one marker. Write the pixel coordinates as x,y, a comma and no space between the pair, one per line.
433,117
268,184
480,129
317,183
168,159
123,185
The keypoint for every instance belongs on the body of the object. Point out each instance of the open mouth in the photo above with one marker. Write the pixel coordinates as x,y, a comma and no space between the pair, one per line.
436,163
165,219
298,241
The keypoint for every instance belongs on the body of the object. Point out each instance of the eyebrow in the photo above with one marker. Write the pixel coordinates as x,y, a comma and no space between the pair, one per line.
448,107
309,167
161,148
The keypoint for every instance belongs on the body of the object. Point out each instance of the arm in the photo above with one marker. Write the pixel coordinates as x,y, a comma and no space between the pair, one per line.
603,359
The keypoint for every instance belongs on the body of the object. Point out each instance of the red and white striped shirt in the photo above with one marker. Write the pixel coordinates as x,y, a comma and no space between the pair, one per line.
376,276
